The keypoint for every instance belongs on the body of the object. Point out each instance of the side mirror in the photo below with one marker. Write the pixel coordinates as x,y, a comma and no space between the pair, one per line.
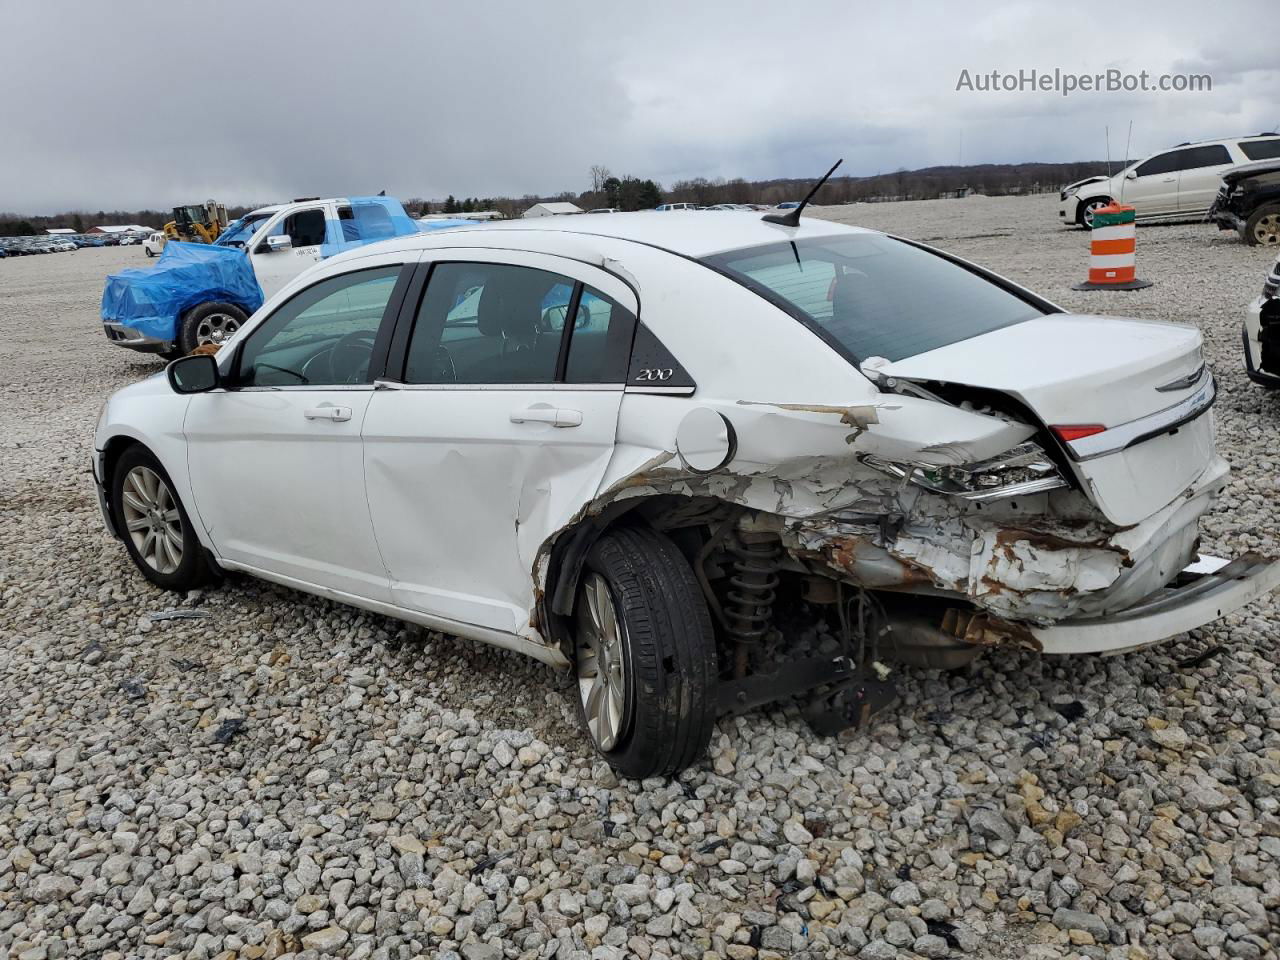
1131,174
276,244
196,374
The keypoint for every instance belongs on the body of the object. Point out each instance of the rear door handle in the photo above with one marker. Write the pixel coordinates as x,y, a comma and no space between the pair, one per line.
540,413
328,413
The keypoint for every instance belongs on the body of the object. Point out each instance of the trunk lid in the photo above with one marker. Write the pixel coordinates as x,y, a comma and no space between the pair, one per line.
1135,378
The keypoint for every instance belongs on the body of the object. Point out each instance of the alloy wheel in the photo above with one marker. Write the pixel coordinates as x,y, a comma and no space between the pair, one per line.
152,520
216,328
1267,230
601,662
1087,216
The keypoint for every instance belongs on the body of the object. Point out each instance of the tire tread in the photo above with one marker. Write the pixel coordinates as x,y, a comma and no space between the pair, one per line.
673,655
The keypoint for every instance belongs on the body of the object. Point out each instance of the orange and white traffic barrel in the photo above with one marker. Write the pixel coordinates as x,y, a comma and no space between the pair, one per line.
1112,249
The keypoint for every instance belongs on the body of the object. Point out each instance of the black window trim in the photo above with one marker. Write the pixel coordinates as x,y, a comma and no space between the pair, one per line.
381,343
397,360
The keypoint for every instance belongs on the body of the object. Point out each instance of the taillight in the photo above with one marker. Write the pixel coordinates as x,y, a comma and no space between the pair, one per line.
1077,431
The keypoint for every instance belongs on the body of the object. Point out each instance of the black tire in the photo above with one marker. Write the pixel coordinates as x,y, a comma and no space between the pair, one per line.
1084,207
189,336
1262,229
193,570
147,251
670,653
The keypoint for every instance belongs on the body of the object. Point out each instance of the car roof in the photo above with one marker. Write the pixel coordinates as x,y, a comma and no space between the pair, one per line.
1202,143
277,207
697,234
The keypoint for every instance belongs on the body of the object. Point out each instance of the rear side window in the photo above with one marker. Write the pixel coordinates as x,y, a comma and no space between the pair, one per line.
1261,149
600,341
490,323
870,295
1211,156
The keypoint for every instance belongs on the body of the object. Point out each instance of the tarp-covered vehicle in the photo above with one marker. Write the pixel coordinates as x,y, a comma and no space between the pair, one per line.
201,294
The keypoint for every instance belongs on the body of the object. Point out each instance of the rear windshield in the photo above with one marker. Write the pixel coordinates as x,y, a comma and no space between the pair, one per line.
870,295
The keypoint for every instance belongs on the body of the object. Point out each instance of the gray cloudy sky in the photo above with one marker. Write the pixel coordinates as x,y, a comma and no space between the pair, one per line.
132,104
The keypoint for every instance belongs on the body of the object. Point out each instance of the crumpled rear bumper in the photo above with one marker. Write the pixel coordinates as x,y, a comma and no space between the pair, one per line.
1205,591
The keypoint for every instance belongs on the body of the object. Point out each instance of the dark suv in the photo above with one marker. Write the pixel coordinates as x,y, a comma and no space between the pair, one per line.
1249,202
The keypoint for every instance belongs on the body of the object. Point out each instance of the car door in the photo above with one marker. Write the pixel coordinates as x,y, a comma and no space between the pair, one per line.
1200,176
276,263
276,461
1151,187
495,425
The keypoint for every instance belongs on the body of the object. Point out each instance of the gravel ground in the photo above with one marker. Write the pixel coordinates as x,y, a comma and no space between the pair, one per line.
285,777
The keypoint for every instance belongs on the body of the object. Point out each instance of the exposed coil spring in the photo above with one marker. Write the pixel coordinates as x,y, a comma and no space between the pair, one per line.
752,586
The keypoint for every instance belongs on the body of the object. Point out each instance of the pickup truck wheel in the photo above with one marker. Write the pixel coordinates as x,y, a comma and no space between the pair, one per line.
1263,226
212,322
645,659
1087,210
156,529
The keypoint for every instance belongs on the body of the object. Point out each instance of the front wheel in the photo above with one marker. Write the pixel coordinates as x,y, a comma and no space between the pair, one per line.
1263,226
157,531
148,251
645,657
1089,208
212,322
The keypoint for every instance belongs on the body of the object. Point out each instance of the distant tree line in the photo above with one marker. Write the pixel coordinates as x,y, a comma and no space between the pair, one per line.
634,193
19,225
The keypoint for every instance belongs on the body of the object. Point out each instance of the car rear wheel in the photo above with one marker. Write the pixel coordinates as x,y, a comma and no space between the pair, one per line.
645,658
1263,227
212,322
1089,207
156,529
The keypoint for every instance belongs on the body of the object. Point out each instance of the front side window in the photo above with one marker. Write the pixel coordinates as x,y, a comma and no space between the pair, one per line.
1261,149
870,295
323,335
304,229
1160,163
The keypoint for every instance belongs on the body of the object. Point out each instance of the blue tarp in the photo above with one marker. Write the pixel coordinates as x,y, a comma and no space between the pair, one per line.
187,274
373,219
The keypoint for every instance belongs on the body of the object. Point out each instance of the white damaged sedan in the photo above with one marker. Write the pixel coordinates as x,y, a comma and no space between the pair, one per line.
701,461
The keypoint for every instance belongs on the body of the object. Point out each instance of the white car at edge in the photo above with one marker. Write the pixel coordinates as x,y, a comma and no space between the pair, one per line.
1175,184
1262,333
624,445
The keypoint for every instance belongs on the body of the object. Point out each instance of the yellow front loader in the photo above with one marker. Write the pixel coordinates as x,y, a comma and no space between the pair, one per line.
197,223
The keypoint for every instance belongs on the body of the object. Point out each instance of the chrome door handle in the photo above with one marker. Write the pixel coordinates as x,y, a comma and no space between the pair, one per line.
328,413
556,416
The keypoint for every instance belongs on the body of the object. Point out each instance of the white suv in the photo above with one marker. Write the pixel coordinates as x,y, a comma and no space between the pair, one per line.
1176,184
154,244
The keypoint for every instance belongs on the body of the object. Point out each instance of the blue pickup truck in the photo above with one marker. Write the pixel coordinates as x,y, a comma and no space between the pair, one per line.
201,294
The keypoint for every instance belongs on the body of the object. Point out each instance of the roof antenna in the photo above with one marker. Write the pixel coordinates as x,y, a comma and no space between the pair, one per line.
792,217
